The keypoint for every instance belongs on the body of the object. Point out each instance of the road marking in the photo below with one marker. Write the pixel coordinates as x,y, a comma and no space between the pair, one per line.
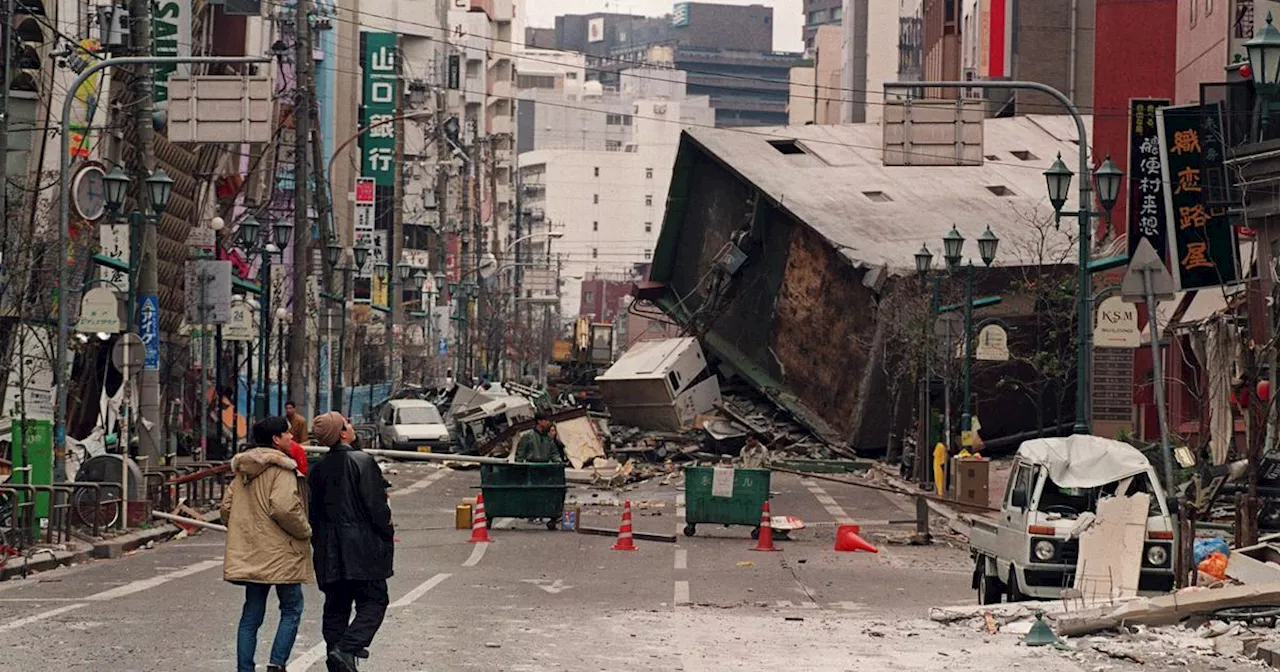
854,606
828,502
412,596
554,588
505,524
477,553
143,584
41,599
681,513
414,487
788,604
36,618
312,656
682,558
682,593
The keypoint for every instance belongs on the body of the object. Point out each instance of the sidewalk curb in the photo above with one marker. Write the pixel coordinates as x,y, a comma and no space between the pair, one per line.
43,561
117,546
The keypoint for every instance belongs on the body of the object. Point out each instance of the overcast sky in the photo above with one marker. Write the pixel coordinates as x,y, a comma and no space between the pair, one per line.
788,20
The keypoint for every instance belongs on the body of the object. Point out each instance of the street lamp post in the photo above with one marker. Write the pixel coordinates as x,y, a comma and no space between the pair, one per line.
953,244
1264,69
1083,216
253,243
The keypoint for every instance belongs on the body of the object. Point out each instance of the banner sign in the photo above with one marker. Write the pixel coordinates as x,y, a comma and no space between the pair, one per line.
1146,195
381,95
1201,240
149,329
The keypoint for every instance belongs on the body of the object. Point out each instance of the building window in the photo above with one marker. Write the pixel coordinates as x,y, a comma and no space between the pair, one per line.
648,173
817,16
612,145
595,226
648,254
595,199
837,13
648,200
648,227
595,252
571,75
589,296
597,171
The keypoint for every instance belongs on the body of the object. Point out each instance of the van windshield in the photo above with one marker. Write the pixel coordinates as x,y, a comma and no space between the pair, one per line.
418,415
1071,502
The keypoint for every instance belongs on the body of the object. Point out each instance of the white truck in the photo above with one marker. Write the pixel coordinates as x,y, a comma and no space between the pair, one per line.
1029,549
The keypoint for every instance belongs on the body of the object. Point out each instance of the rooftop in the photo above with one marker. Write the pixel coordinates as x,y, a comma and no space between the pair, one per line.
832,179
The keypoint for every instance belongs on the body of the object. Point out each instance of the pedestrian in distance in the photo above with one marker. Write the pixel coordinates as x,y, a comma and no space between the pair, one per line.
540,444
297,423
265,512
353,541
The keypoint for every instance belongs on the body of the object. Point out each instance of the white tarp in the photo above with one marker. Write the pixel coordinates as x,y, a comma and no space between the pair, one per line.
1083,461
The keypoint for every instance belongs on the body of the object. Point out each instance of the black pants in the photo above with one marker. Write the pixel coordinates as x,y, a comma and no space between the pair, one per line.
343,632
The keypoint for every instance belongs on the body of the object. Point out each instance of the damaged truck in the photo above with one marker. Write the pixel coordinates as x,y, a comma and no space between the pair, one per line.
1031,549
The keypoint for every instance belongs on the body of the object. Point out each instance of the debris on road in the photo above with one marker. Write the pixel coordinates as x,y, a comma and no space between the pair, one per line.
1110,559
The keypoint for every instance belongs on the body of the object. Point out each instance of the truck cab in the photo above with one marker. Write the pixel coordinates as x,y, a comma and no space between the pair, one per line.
1030,548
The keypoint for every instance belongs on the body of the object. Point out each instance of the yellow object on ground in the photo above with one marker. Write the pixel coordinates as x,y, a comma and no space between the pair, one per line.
939,468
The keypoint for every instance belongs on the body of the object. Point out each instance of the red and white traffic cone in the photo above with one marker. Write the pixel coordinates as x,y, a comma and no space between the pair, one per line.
479,524
625,542
766,531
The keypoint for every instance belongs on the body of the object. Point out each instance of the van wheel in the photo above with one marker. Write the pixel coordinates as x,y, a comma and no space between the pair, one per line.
1015,593
990,590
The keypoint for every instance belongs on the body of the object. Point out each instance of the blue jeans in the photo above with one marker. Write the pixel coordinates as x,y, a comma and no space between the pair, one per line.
255,610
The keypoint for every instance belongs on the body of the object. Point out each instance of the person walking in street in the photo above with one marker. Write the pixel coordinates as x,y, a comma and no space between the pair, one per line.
297,423
540,444
267,534
353,541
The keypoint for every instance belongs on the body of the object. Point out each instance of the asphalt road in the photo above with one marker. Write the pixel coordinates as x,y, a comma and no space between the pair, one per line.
543,600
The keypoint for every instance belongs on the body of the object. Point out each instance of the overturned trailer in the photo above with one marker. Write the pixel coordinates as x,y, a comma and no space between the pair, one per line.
660,385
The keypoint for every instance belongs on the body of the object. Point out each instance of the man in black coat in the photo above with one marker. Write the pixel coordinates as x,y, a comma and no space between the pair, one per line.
352,541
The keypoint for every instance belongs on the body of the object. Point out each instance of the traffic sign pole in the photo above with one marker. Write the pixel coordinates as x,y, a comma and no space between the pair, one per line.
1148,280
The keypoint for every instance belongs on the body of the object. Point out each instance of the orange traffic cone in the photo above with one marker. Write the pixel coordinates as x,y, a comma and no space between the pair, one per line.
479,524
847,540
625,542
766,531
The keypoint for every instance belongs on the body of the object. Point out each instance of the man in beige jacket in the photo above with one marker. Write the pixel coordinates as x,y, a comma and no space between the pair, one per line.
268,540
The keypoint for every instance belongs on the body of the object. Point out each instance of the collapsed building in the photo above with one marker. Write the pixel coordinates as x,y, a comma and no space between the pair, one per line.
780,246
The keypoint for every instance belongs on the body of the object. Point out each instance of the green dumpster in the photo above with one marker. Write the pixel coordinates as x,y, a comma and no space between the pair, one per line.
709,499
523,490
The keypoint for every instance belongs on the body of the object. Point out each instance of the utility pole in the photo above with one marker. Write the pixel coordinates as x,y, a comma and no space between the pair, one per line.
304,99
151,431
6,47
327,313
395,284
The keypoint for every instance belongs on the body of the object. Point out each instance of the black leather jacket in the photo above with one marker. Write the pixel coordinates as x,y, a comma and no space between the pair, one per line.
352,535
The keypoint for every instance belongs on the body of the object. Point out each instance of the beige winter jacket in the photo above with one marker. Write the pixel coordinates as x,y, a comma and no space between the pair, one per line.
267,530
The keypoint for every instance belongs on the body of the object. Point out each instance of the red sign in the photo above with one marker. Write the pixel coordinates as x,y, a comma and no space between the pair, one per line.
364,190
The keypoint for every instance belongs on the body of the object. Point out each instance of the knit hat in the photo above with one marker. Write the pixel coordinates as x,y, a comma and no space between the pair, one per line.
327,429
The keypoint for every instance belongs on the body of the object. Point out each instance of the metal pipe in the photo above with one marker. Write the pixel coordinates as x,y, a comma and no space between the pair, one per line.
60,374
1084,330
1157,383
422,457
189,521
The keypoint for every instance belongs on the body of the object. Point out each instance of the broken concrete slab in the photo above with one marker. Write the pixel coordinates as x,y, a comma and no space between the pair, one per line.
1168,609
1110,560
116,547
582,444
1255,564
44,560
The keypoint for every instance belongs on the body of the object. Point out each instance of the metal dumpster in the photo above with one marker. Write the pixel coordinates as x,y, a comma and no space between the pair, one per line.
735,498
524,490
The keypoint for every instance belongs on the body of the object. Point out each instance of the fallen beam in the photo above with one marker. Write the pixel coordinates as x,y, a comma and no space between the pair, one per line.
189,521
643,536
1168,609
413,455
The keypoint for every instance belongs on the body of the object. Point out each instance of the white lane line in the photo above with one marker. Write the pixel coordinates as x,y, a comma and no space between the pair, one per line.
41,599
477,553
682,593
681,513
414,487
828,502
412,596
682,558
119,591
505,524
312,656
144,584
36,618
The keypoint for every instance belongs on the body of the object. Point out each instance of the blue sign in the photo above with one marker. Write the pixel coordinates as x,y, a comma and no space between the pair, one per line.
444,347
149,328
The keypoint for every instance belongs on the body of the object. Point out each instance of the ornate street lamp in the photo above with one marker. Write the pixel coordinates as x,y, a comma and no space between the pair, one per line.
1108,178
159,188
361,254
249,231
952,245
1058,178
117,186
405,270
987,244
281,230
1264,58
924,260
333,254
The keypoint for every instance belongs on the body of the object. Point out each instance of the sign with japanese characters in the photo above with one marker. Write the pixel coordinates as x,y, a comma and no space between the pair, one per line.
149,328
1146,195
380,103
114,241
1201,240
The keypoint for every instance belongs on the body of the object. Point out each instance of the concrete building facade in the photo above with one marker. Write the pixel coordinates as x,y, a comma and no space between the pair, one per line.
820,13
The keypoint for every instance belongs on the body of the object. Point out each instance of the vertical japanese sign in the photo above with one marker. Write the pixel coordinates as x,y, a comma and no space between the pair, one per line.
149,326
1146,201
381,88
1201,240
366,191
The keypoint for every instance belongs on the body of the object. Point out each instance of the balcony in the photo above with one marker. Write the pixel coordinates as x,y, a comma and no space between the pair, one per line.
500,125
501,89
